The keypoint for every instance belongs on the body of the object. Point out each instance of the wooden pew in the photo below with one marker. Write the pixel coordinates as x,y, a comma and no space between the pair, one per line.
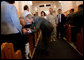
19,13
36,36
80,41
31,46
3,46
68,33
18,54
33,41
68,11
7,52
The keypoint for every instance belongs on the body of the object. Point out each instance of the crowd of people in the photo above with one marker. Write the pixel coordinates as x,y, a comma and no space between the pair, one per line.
15,30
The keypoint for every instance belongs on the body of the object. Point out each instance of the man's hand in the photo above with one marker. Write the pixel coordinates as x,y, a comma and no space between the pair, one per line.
26,31
22,22
29,31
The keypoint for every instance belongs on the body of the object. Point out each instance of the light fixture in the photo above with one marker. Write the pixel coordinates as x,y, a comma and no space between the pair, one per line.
60,1
54,6
30,2
35,9
44,4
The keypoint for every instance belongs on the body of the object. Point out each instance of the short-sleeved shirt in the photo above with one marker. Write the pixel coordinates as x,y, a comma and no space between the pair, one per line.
9,19
24,14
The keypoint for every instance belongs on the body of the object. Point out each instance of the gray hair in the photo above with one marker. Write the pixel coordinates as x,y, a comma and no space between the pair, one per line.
29,16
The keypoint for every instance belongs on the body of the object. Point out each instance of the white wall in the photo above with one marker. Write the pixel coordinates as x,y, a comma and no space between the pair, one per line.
38,9
20,5
64,5
67,5
79,2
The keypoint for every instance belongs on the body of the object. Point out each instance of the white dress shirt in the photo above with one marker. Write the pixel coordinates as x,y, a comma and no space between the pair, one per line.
24,14
59,16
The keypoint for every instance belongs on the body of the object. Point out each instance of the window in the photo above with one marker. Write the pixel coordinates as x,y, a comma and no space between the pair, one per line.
30,2
48,5
41,6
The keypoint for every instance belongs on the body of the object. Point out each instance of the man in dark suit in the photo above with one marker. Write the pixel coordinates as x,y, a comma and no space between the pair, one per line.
46,28
69,16
61,22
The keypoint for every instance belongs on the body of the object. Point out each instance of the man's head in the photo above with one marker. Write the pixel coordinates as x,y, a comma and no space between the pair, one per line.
72,10
50,10
80,7
29,18
11,2
59,11
26,8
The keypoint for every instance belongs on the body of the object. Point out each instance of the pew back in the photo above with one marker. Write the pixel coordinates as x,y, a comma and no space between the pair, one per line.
80,41
7,52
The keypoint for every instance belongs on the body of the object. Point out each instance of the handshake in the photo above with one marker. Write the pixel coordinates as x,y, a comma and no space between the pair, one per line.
26,30
29,31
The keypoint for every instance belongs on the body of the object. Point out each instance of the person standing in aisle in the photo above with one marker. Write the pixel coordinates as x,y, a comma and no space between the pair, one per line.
52,18
46,28
43,14
61,22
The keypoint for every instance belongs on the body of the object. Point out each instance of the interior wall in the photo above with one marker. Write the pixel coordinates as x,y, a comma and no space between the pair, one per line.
67,5
20,5
64,5
36,8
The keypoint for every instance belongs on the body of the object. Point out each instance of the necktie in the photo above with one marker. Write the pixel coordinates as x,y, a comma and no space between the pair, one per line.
58,18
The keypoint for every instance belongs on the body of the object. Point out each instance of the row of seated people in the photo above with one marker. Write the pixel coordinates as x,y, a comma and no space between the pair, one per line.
74,26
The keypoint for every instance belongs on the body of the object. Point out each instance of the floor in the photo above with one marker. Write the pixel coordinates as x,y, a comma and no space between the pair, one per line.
59,49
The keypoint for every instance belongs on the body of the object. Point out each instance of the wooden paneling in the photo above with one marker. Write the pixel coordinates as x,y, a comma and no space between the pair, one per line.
19,13
18,54
67,12
68,33
80,41
7,52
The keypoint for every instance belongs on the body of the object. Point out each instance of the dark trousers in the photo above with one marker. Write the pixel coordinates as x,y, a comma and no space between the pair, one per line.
46,35
60,29
18,41
74,31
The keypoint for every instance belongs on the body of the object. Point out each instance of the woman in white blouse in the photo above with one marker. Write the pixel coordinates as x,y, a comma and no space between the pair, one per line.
43,14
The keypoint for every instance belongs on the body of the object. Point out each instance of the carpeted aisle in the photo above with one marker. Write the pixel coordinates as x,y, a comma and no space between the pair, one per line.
58,50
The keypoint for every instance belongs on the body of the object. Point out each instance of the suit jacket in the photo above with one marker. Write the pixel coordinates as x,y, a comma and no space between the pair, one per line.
43,24
69,16
77,19
63,19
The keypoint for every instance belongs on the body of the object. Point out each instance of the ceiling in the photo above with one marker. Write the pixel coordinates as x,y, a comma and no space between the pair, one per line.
39,2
